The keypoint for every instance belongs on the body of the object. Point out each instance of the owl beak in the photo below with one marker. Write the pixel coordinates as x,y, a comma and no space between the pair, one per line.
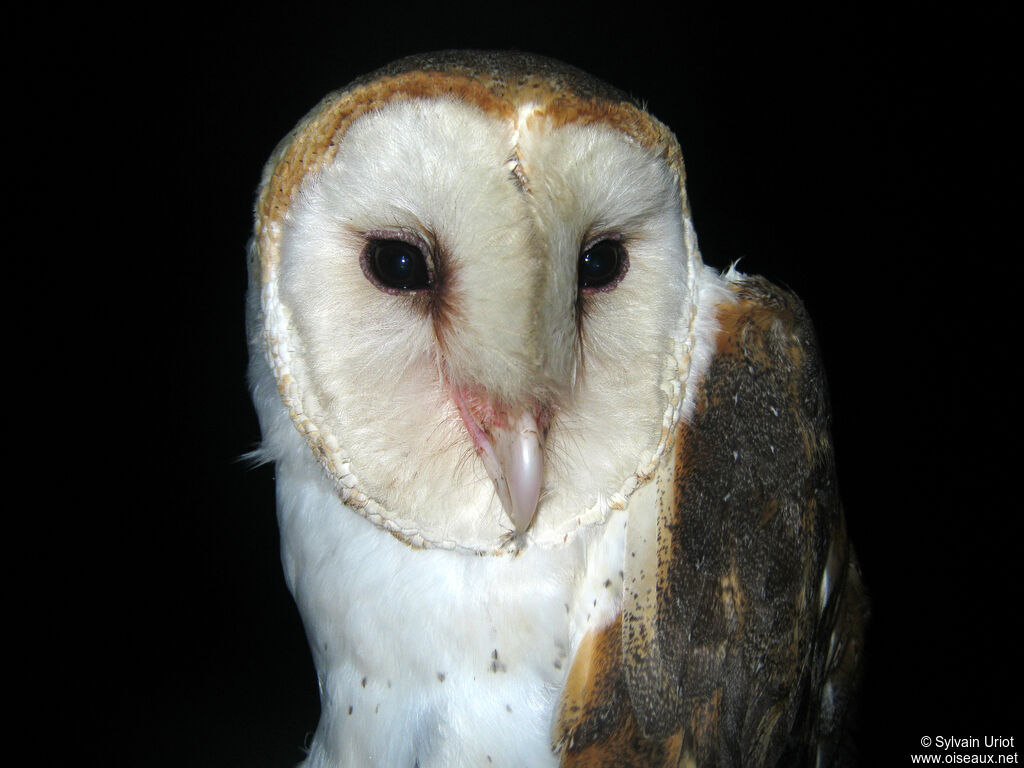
519,470
512,451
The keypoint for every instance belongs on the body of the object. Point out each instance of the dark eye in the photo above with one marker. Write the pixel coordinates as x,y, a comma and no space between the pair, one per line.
395,264
602,264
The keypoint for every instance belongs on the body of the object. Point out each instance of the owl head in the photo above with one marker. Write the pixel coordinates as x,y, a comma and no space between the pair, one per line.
472,286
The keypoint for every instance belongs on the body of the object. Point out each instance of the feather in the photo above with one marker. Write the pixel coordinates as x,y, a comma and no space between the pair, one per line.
740,639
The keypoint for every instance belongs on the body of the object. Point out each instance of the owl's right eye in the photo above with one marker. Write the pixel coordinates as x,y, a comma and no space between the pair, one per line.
395,265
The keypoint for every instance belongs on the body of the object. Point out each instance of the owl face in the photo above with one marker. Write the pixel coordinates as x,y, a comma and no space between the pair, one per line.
468,280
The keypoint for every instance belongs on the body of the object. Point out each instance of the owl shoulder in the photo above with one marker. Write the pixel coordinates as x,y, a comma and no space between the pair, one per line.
757,602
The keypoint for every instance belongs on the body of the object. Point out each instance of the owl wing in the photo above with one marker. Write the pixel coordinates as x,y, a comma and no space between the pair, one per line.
742,623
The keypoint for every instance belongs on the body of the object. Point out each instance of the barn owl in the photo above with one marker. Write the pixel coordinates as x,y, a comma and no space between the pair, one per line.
551,492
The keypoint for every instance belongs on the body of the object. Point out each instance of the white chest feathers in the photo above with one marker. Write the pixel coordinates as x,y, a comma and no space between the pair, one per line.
434,658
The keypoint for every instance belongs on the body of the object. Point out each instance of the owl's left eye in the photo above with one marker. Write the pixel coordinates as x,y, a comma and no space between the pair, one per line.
602,264
395,265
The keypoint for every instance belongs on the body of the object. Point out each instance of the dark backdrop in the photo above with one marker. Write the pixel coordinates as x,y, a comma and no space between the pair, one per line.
863,158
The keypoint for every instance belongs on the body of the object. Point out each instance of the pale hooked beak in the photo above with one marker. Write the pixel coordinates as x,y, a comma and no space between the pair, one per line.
512,451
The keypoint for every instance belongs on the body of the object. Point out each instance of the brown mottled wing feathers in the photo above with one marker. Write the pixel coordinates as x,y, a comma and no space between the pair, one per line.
726,639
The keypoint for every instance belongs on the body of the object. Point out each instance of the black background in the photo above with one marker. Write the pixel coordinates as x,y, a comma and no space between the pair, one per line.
863,157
